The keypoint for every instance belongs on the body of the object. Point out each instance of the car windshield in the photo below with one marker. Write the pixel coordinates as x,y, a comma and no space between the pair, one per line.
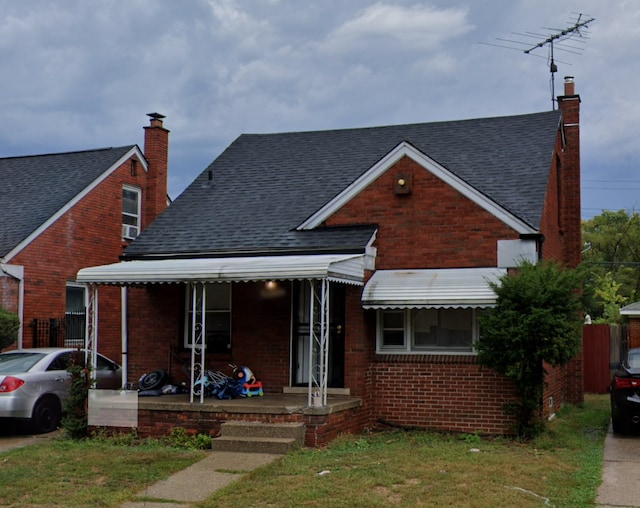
11,363
634,360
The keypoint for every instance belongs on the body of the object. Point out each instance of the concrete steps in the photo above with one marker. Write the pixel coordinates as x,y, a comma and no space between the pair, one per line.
258,437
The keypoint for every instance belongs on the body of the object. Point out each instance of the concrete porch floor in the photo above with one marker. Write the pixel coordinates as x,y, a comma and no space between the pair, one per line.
279,403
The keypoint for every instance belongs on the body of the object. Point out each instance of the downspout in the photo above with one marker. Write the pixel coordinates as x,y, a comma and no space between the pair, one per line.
17,272
125,335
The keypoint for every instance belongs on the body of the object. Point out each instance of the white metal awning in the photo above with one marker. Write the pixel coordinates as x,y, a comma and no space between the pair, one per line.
457,288
345,268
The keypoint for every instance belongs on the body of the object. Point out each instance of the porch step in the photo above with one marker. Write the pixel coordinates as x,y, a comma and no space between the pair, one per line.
257,437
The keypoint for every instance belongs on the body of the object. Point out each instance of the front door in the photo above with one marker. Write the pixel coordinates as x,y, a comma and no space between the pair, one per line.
301,330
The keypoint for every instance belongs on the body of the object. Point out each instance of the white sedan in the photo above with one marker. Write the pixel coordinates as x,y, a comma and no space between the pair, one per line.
34,383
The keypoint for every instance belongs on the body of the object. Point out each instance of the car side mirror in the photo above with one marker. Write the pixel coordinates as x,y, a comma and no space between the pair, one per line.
614,365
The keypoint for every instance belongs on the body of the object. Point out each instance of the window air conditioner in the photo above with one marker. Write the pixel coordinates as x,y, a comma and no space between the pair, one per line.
129,232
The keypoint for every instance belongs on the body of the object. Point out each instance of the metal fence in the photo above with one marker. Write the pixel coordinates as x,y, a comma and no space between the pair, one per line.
68,331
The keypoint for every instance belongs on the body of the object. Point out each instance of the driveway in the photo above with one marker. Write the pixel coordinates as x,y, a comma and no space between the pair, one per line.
620,472
11,436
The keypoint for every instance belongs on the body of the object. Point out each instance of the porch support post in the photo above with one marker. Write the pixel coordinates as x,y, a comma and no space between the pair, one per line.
198,334
91,331
125,335
318,341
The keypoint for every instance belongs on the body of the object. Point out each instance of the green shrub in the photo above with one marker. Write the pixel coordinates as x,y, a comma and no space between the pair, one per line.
537,319
74,421
9,327
180,438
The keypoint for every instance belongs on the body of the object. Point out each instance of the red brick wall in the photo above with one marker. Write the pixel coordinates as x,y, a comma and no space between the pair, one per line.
554,390
633,332
153,318
440,392
261,332
360,332
550,225
433,227
9,293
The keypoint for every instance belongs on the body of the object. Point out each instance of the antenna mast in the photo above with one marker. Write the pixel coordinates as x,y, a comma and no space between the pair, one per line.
554,40
559,36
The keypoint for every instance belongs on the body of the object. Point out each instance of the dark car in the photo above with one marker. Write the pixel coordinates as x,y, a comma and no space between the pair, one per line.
625,393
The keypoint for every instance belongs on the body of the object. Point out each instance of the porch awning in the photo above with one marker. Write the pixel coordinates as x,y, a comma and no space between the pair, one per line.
346,268
456,288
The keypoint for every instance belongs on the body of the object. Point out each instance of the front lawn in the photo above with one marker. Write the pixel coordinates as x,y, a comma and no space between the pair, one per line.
561,468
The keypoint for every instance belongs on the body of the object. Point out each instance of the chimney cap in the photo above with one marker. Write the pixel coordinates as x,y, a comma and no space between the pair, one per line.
155,116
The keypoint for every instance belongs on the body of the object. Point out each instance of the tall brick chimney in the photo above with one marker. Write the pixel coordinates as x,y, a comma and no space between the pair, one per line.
569,104
156,151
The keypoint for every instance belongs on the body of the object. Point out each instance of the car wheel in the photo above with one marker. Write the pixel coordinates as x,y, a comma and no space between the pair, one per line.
618,425
154,380
46,415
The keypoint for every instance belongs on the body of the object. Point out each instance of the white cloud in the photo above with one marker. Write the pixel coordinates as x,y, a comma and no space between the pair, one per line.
416,27
80,74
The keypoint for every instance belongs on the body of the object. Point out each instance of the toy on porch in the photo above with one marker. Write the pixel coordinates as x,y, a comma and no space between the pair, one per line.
250,386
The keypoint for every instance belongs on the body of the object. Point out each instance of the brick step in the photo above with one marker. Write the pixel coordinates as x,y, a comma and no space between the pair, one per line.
263,430
273,445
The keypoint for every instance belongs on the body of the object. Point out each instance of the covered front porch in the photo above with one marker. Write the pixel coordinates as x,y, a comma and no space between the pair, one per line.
299,322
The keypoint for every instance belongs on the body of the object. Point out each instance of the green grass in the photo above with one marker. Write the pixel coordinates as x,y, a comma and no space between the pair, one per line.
85,473
396,468
562,468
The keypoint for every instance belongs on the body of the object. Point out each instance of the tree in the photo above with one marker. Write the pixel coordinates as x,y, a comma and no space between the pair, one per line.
537,319
9,327
612,254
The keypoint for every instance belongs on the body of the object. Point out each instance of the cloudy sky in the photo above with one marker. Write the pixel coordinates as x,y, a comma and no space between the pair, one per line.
78,75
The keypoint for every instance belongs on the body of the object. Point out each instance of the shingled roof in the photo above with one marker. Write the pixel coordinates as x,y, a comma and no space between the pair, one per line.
251,199
34,188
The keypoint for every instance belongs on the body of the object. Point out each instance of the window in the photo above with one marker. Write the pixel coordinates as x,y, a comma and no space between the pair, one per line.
75,315
131,198
427,330
217,318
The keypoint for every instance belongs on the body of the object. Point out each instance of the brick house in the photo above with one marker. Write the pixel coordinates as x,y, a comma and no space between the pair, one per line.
61,212
353,263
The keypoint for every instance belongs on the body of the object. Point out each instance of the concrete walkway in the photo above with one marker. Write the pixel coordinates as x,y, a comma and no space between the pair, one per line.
200,480
620,486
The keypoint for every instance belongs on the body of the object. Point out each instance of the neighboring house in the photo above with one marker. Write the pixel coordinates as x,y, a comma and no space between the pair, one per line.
632,313
64,211
355,263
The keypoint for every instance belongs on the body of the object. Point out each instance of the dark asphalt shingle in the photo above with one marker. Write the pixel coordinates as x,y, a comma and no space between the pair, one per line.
253,196
33,188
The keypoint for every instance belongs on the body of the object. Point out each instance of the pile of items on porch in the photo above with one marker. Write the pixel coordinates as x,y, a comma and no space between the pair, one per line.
240,383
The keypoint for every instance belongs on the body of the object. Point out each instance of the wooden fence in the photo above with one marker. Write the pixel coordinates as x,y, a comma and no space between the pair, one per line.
601,346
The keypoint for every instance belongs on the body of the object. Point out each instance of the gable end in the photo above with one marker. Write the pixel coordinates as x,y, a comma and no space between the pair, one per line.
405,149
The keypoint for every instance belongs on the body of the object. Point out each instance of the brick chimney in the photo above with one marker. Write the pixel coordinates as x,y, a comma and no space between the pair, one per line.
569,104
156,151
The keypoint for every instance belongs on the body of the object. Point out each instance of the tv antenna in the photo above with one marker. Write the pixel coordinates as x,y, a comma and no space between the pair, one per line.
554,39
